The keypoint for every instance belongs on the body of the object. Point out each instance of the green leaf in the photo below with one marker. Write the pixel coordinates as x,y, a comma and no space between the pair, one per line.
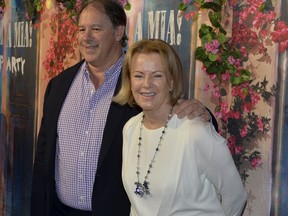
182,6
245,90
262,7
221,38
69,5
213,57
127,6
232,70
215,68
236,53
245,72
211,5
235,80
222,30
215,18
206,38
200,53
205,30
207,63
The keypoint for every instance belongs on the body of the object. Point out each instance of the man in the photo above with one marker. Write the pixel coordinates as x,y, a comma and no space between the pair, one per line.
77,168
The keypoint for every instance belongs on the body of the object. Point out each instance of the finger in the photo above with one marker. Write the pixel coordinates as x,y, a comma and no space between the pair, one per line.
186,107
202,113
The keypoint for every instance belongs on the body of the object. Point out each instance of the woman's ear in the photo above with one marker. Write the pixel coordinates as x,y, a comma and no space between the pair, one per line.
171,85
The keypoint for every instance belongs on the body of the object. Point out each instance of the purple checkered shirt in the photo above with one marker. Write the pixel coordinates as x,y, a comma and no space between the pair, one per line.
80,129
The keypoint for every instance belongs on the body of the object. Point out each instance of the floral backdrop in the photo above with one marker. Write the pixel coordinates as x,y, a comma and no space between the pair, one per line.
253,26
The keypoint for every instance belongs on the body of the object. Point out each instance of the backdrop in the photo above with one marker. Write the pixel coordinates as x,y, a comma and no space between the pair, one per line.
236,66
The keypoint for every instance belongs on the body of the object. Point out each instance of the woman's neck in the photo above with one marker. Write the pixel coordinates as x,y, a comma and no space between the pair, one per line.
157,119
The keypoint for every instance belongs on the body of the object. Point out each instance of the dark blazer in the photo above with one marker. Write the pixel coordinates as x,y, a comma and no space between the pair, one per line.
109,197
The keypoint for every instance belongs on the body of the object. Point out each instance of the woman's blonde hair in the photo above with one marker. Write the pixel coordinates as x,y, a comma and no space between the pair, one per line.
171,63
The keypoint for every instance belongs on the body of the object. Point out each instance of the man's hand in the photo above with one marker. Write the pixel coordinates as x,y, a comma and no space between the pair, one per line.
192,108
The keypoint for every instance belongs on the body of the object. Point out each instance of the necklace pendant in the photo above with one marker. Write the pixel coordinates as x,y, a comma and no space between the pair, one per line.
142,189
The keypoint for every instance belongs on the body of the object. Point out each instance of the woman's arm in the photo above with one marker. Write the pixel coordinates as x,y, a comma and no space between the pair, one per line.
223,174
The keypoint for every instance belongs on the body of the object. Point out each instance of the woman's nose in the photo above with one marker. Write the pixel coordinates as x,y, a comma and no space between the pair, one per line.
147,81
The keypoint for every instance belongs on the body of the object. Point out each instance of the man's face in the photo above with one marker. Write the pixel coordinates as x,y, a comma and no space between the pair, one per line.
97,38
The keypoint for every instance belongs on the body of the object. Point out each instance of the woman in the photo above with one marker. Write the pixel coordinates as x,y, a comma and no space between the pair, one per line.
171,166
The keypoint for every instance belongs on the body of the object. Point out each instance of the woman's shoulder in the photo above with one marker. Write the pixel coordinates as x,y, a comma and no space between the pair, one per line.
195,123
195,127
133,121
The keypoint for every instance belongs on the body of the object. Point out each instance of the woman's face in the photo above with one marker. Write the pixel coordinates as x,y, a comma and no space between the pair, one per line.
150,85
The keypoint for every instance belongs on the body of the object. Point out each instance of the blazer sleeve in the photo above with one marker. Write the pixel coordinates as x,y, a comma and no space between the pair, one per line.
38,204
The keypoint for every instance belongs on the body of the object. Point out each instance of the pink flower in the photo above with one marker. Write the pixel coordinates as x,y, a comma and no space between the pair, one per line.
231,60
1,13
255,162
218,115
224,107
206,88
244,131
255,98
238,149
260,124
123,2
247,107
225,76
213,46
231,144
235,115
216,93
212,76
191,14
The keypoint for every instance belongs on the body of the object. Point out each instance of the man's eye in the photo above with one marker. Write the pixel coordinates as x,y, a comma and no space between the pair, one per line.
81,29
95,29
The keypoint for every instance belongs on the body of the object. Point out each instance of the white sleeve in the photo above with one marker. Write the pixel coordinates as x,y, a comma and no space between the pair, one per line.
223,174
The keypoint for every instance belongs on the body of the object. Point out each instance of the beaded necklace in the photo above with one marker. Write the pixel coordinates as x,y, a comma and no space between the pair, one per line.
143,188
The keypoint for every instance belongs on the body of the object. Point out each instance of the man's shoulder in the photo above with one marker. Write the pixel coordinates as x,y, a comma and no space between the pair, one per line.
70,71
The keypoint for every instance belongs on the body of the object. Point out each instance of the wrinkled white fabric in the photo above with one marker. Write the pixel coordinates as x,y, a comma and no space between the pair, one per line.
193,163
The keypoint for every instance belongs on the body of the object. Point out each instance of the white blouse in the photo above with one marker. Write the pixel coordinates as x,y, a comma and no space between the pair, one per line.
192,171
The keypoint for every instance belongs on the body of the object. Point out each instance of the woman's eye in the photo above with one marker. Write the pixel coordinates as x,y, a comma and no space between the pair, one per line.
138,76
158,75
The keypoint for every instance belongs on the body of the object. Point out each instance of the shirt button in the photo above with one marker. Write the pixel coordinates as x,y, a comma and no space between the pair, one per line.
81,177
82,154
82,198
86,132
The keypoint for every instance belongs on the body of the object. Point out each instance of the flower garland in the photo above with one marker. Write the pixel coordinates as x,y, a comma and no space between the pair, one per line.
34,9
223,61
2,8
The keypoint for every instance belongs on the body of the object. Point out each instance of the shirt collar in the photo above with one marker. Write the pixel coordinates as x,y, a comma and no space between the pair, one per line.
108,73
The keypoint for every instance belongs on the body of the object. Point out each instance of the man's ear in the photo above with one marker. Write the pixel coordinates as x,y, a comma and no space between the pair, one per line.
120,31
